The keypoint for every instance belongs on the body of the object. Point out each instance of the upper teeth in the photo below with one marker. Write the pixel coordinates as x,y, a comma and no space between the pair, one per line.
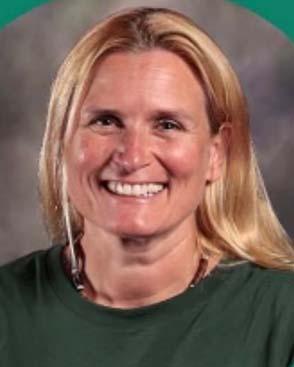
134,190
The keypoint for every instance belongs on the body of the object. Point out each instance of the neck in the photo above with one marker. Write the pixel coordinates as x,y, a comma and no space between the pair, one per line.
132,272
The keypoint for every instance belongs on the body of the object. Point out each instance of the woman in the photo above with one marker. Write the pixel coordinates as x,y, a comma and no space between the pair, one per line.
173,255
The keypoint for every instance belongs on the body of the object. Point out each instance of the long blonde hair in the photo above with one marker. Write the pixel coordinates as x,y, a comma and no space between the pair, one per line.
235,218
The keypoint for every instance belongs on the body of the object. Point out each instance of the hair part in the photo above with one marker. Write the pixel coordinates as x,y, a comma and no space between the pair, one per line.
235,218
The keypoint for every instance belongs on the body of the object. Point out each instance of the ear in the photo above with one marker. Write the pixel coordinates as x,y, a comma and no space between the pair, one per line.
218,152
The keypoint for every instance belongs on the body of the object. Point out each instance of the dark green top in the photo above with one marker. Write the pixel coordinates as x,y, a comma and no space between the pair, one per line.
237,317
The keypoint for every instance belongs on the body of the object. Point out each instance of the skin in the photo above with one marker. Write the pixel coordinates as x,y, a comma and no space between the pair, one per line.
140,251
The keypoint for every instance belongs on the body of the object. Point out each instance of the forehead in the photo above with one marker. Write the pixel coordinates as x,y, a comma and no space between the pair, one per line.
127,76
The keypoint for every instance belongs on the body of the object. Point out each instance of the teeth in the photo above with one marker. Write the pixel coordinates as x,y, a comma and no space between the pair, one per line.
119,188
134,190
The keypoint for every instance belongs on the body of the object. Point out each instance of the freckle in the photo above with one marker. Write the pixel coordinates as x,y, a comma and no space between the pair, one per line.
82,156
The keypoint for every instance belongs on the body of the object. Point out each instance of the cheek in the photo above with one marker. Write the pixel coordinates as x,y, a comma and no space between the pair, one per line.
83,154
187,160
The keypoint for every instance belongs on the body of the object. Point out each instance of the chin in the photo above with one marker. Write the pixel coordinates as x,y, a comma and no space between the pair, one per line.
133,232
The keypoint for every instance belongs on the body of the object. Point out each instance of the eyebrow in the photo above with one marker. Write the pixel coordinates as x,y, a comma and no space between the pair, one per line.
89,112
176,114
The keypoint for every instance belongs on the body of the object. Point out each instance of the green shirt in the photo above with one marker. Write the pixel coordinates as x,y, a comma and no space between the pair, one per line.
241,316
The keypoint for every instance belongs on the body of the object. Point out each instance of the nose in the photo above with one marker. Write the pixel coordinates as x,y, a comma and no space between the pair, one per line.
132,152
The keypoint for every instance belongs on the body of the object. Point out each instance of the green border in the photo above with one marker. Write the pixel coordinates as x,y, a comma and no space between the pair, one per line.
277,12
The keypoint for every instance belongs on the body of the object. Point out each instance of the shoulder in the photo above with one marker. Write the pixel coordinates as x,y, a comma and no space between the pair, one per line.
276,283
267,296
253,278
264,294
255,307
271,285
23,262
279,291
19,287
22,280
274,308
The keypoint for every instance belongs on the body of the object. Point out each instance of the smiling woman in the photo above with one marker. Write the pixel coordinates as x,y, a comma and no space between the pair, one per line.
149,183
128,164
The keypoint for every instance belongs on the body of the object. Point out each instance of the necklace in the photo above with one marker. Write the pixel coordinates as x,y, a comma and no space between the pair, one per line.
200,272
79,279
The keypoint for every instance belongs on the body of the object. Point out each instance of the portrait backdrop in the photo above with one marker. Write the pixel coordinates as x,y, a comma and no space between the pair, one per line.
34,46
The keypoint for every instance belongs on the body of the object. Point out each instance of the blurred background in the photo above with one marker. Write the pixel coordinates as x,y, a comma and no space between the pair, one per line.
34,46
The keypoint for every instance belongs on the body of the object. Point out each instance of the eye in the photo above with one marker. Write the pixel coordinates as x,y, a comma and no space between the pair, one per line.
105,121
168,124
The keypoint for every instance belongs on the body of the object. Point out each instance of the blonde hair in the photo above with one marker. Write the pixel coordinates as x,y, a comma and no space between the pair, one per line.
235,218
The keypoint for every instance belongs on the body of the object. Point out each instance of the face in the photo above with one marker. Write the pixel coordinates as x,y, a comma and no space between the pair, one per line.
140,154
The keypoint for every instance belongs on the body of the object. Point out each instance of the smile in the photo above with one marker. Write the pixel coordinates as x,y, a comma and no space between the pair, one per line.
137,190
